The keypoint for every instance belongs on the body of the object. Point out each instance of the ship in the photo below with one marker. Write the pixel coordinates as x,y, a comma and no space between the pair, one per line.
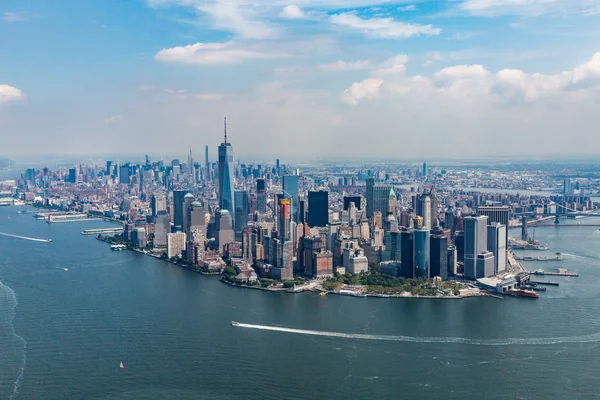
233,323
523,293
118,247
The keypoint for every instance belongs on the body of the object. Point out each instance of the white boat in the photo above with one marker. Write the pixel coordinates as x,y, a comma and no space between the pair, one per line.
121,365
233,323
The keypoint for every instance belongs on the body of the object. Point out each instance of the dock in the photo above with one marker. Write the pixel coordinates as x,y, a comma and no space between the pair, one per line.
544,283
560,272
102,230
530,258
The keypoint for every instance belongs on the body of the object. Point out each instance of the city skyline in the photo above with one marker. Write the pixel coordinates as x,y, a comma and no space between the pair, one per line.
494,78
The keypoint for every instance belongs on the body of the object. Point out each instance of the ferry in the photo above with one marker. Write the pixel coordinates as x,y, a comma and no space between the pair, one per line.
523,293
233,323
353,293
118,247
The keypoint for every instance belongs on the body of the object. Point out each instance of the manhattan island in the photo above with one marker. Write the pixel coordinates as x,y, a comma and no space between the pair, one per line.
393,230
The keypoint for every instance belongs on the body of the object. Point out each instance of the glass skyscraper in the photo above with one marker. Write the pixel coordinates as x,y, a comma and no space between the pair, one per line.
226,176
290,189
421,253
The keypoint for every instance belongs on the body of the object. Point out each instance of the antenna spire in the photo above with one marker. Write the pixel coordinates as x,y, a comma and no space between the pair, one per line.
225,130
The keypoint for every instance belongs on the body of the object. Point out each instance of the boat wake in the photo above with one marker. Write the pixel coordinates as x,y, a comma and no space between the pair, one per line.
476,342
25,237
13,298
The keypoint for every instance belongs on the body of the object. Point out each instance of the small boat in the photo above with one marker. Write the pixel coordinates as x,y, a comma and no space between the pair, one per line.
121,365
323,294
558,253
233,323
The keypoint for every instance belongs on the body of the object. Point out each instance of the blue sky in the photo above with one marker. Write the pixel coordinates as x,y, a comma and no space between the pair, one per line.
306,78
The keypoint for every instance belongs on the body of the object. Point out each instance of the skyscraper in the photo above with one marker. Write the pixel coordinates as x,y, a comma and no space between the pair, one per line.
188,199
421,253
226,176
496,214
241,212
475,229
290,191
206,162
190,165
224,229
162,227
425,170
378,199
158,202
318,208
496,244
283,227
406,252
439,256
424,210
178,197
261,195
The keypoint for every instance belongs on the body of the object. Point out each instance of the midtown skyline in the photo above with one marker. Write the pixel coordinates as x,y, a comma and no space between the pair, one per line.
362,78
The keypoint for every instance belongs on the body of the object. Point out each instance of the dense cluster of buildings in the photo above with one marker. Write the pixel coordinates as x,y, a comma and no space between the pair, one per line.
272,221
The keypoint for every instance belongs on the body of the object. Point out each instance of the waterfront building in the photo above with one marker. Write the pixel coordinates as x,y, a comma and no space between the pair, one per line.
162,226
452,261
318,208
496,214
138,237
355,261
392,241
421,253
439,256
496,244
175,244
485,264
224,229
178,200
226,177
475,243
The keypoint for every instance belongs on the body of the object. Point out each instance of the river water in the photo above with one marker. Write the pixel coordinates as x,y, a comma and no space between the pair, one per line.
72,310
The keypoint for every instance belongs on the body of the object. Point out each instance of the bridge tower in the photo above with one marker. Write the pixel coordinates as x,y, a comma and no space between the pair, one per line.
556,217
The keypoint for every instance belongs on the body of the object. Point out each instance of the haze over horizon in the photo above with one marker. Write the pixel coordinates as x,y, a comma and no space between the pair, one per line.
370,79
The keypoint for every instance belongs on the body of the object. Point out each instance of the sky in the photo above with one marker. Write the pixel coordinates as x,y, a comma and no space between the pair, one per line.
301,78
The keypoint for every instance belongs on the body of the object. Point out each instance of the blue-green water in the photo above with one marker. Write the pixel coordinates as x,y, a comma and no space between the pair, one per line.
72,310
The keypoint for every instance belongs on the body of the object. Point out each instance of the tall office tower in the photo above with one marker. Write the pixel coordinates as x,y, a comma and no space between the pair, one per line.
196,218
318,208
108,167
434,208
567,186
405,219
188,199
224,229
406,252
475,242
392,241
226,176
359,202
158,202
424,210
378,198
261,195
247,251
190,165
241,212
206,161
425,170
449,217
439,256
310,245
125,173
485,264
452,261
496,214
284,219
178,198
175,244
290,191
162,227
421,253
391,208
496,243
377,219
302,210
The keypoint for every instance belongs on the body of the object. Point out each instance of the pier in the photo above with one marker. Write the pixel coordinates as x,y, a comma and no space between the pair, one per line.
530,258
560,272
102,230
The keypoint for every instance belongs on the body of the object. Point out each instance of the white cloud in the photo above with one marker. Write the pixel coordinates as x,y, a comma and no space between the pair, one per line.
525,7
346,66
113,119
473,83
367,89
410,7
291,11
394,65
245,21
8,16
9,93
214,53
383,28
